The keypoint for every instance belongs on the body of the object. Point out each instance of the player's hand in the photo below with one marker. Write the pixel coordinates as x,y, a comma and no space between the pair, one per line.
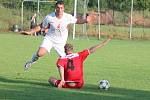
90,18
62,82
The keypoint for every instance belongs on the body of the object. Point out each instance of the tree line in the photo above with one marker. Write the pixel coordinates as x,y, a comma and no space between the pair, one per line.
121,5
118,5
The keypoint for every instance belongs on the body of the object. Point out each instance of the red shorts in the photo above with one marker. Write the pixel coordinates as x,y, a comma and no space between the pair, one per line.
66,85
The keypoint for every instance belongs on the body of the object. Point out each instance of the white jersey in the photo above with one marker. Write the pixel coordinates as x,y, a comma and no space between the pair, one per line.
58,28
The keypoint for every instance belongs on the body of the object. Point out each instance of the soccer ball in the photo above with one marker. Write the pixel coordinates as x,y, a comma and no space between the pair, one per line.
104,84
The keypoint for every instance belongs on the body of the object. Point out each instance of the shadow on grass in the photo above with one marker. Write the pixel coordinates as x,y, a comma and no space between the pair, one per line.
18,81
27,90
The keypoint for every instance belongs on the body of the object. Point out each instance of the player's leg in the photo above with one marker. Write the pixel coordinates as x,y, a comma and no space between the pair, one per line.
44,48
53,81
59,49
68,84
73,84
41,52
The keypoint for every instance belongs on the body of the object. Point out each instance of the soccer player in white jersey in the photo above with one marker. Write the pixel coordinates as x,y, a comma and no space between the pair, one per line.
57,24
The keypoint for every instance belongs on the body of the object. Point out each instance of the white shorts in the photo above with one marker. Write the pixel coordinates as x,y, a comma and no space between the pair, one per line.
48,45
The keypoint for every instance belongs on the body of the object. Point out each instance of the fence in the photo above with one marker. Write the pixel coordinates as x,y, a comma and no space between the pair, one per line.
112,21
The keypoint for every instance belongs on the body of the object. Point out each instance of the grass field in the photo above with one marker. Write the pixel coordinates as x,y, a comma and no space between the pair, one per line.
124,63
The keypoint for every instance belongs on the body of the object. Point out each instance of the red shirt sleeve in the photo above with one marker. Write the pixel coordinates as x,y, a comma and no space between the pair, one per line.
61,62
83,54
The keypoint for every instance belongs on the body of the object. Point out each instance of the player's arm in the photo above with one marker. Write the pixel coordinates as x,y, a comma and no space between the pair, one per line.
81,21
46,23
94,48
36,29
61,72
29,32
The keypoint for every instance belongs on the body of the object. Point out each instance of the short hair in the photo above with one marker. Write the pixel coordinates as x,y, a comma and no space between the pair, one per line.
68,47
59,2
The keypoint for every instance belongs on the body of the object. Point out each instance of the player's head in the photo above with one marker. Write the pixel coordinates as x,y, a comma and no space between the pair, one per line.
68,48
59,7
60,2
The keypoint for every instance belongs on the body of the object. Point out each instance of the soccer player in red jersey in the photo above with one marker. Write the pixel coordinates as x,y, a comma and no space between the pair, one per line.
71,66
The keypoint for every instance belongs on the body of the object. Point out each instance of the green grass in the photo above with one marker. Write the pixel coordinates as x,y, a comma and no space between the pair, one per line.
125,63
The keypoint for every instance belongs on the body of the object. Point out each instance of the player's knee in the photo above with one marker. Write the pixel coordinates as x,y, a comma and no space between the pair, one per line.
41,52
53,81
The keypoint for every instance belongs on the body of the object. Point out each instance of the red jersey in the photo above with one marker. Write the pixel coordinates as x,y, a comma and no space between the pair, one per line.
76,60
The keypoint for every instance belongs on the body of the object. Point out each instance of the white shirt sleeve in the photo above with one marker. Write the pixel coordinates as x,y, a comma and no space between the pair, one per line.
72,19
45,22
